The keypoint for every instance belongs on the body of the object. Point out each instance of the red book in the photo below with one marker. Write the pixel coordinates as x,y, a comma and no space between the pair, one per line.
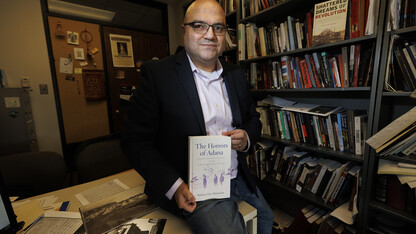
305,74
395,193
309,23
356,65
341,70
315,72
355,18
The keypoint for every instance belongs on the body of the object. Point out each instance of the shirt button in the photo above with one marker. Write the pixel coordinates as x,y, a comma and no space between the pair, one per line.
216,105
219,128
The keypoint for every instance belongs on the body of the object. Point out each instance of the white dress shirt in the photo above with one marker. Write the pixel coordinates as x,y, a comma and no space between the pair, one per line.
216,110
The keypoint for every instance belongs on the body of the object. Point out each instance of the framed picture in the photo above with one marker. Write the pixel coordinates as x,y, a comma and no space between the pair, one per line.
72,38
79,53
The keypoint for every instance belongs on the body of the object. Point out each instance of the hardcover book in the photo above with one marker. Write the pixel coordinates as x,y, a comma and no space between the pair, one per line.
329,22
209,167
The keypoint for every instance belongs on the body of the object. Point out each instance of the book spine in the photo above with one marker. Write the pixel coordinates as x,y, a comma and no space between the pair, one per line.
340,138
356,65
315,71
305,74
310,72
355,18
345,68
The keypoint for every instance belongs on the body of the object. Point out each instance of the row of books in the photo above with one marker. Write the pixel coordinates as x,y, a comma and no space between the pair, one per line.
342,131
402,14
351,67
397,138
228,5
313,220
330,22
401,73
334,182
328,179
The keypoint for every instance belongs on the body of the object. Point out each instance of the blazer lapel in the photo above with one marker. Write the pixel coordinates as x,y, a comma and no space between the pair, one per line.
233,98
184,74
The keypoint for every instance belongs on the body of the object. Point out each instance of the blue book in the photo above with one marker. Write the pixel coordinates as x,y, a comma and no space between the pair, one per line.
340,139
290,30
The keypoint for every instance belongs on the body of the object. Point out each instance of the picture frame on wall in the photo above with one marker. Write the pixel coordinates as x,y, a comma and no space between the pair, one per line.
72,38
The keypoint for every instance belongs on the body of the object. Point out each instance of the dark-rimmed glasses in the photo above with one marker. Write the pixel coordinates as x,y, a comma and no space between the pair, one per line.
202,28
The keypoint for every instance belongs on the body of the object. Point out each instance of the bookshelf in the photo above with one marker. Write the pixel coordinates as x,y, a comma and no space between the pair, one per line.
350,98
389,106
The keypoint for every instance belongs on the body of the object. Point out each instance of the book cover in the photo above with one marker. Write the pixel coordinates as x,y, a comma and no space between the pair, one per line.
329,22
209,167
110,212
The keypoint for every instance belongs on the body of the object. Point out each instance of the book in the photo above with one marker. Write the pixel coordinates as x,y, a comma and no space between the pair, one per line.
360,129
329,22
241,41
110,212
209,167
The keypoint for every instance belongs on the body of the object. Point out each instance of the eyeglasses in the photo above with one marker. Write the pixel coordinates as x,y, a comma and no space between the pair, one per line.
202,28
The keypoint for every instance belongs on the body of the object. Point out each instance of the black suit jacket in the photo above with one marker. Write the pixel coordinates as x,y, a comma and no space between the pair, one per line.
165,110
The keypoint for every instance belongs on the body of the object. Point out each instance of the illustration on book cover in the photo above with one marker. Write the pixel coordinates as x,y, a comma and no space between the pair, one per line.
209,167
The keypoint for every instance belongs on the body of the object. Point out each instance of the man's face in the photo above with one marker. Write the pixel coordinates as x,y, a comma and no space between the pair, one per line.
204,49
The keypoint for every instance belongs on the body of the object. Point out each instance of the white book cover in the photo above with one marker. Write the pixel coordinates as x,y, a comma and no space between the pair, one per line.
209,167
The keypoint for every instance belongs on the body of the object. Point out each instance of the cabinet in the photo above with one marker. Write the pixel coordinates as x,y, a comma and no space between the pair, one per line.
364,97
389,106
16,122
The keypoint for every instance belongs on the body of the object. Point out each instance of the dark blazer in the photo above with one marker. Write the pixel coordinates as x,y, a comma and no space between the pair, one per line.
165,110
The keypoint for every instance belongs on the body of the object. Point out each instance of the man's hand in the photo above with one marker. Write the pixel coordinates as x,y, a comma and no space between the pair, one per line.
238,139
185,199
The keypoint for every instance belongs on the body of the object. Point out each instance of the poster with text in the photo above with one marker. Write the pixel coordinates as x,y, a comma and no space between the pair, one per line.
122,50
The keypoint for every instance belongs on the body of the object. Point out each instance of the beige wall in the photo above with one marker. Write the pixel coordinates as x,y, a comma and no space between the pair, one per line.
175,16
23,52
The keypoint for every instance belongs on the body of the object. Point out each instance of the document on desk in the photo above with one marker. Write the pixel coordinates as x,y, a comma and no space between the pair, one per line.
110,212
56,222
101,191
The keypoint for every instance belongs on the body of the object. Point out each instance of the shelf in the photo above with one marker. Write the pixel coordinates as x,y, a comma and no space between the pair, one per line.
312,49
305,194
388,210
397,94
279,9
406,159
351,89
404,31
319,149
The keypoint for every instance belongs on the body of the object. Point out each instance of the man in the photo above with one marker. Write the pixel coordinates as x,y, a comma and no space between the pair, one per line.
190,94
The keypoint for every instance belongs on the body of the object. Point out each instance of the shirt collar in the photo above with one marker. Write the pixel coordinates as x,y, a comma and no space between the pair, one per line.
215,74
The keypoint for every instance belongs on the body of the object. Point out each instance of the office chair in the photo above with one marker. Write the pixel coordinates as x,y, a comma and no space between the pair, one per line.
34,173
98,158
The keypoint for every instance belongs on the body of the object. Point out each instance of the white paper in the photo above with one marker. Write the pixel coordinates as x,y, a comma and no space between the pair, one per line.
392,129
342,213
61,222
65,65
101,191
121,50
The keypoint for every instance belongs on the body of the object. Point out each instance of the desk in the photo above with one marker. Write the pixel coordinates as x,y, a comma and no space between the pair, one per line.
132,179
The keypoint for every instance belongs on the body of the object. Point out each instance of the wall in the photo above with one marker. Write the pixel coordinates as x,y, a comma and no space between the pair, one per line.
23,52
175,16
